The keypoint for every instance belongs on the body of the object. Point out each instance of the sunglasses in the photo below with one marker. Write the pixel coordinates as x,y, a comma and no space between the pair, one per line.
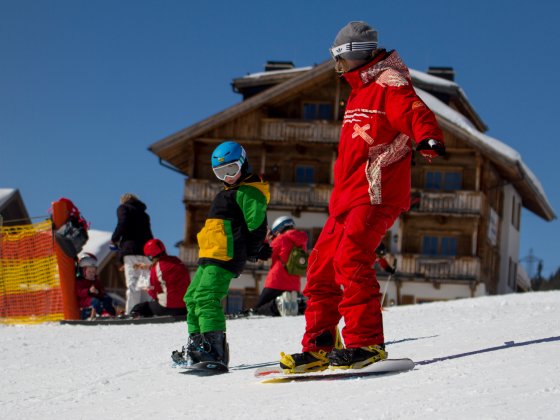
229,170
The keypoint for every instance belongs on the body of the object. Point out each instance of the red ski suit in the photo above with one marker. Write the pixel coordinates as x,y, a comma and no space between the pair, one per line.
278,278
169,280
371,188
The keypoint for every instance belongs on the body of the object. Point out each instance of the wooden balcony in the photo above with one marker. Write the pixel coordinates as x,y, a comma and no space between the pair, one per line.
458,202
438,268
301,196
273,129
282,195
189,255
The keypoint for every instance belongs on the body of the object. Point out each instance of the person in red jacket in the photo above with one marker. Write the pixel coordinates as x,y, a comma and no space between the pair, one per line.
280,293
169,280
372,178
92,298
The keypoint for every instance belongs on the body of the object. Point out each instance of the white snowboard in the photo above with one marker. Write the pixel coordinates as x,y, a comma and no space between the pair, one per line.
383,367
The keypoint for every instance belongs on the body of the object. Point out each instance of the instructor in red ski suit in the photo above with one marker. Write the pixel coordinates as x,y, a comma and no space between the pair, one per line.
372,177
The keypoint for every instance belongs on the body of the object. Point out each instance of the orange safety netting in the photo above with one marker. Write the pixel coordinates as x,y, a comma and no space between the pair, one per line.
29,280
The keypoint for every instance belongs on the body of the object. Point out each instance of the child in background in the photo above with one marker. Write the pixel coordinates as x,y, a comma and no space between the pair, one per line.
92,298
169,280
279,296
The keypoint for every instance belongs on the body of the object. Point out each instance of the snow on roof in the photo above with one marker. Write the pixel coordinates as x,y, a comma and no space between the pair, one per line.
98,245
483,141
272,72
6,194
433,80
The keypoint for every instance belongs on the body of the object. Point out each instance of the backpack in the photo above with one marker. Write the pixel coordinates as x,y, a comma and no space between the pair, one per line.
297,262
72,236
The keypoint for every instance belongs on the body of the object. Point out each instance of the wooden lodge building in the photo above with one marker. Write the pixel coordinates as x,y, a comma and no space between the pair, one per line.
461,235
12,208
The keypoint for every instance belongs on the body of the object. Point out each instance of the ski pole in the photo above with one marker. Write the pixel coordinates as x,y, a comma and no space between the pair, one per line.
388,281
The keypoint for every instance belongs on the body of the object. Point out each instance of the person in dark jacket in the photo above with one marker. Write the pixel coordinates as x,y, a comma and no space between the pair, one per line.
92,298
132,232
169,280
234,232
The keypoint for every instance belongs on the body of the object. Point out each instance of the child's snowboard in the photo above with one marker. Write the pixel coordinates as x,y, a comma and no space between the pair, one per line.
270,375
205,368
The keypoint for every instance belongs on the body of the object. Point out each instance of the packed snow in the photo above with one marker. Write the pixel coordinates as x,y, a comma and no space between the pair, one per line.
489,357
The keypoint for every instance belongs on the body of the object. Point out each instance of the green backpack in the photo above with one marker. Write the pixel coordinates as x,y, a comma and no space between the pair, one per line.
297,262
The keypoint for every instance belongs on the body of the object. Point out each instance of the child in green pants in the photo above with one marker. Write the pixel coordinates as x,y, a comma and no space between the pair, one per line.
233,234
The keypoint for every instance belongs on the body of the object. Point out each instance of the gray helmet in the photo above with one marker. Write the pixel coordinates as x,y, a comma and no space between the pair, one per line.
281,224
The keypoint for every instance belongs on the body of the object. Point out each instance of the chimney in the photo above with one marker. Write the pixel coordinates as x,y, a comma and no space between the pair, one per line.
278,65
446,73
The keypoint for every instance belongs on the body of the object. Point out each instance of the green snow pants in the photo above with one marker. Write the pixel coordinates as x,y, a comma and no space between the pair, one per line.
204,299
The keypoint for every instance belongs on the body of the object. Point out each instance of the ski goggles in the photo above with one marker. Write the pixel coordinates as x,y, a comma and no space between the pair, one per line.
229,170
352,46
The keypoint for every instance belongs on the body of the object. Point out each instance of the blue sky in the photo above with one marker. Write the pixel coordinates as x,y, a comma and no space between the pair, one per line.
87,86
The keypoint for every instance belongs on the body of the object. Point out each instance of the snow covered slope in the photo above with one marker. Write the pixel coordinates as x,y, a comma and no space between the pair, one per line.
490,357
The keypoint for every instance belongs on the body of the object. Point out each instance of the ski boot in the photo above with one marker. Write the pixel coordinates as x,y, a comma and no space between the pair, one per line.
356,358
287,304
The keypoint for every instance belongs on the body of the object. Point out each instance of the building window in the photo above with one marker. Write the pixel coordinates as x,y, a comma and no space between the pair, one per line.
445,246
305,174
443,180
317,111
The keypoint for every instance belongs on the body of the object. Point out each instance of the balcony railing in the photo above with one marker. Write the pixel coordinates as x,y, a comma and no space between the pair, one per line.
439,268
282,195
201,191
285,130
304,196
458,202
189,255
408,266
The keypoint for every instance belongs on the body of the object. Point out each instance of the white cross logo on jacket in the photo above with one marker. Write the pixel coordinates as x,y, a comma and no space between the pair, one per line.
361,131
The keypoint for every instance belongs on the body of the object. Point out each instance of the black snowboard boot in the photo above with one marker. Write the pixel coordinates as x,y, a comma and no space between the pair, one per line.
190,353
214,348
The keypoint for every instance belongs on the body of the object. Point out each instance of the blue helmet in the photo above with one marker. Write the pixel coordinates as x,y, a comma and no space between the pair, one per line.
228,152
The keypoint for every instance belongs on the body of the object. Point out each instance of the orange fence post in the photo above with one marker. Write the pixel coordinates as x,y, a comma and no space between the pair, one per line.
66,267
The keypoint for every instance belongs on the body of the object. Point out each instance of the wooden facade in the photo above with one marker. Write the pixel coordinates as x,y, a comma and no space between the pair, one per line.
289,123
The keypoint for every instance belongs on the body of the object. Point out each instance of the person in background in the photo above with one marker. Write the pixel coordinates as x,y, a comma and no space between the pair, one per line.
169,280
132,232
381,260
92,298
234,233
372,178
280,293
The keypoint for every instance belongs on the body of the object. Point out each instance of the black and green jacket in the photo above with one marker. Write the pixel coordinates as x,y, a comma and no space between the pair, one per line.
236,225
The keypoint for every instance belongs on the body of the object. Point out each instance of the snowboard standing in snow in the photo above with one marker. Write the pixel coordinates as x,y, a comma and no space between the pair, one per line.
271,375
